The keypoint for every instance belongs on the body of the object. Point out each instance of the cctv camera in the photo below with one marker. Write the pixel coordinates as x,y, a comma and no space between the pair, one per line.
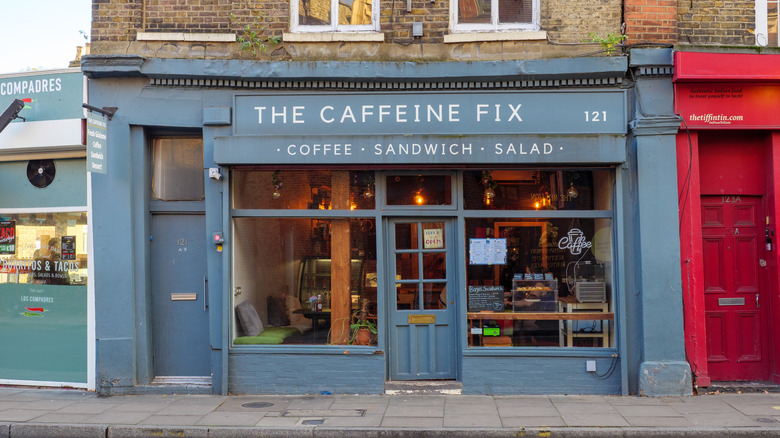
214,173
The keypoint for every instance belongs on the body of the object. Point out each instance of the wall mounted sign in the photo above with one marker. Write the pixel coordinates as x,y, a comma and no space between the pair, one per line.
523,112
728,105
435,127
55,96
97,158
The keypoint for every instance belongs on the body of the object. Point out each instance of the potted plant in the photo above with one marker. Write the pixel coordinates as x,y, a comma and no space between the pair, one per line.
363,329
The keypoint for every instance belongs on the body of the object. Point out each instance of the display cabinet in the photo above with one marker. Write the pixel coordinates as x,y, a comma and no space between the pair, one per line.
534,295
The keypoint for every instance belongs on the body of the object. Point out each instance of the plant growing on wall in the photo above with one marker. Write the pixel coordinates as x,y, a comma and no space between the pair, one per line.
609,43
252,37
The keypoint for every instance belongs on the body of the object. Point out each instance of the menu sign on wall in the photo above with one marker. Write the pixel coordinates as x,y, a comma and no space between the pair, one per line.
7,237
97,159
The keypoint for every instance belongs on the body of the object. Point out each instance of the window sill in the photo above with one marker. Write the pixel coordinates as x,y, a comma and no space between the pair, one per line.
470,37
327,37
187,36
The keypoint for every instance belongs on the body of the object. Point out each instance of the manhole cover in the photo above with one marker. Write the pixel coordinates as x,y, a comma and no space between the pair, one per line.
313,422
257,405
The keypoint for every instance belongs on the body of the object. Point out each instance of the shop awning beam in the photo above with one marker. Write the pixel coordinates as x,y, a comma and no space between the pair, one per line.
11,113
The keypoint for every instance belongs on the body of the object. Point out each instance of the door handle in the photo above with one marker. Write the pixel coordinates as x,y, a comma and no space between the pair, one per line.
206,297
758,305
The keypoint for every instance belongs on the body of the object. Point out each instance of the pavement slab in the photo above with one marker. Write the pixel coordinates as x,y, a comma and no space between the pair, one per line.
32,412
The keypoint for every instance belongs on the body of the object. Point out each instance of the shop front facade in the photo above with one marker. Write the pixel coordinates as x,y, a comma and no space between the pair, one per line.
727,172
317,232
45,315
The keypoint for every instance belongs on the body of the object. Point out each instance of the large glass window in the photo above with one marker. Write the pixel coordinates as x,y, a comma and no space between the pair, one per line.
309,280
43,248
489,15
304,280
312,190
539,281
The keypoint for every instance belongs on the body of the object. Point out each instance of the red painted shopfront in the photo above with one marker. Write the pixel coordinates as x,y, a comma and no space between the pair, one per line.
728,160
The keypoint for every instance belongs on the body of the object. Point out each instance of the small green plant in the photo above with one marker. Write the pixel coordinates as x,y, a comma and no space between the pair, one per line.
363,332
608,43
253,38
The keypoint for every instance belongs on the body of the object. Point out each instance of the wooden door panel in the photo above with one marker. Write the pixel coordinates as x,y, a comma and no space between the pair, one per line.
749,329
746,275
716,337
744,215
714,281
711,216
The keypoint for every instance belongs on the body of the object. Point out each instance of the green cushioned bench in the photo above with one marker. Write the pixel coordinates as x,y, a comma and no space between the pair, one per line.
270,336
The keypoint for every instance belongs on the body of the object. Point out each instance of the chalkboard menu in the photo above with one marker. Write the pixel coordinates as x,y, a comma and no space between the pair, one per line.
7,237
489,298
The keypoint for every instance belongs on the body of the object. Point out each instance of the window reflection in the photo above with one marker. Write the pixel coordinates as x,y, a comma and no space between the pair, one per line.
305,285
537,190
305,190
43,248
551,284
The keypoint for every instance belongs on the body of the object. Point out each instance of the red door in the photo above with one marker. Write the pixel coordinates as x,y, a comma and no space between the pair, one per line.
735,305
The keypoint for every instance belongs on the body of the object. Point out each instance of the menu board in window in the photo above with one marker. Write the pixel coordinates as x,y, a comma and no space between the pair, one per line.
7,237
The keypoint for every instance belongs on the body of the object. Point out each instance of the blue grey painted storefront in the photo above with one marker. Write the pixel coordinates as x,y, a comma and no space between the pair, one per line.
151,96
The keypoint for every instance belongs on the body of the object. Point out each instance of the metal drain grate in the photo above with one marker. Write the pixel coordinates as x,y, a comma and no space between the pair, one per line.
257,405
324,413
313,422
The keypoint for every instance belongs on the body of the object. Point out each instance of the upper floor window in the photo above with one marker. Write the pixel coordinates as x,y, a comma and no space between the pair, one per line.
767,22
335,15
493,15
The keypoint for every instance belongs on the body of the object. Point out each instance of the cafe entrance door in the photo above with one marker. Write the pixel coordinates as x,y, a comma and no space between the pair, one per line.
422,326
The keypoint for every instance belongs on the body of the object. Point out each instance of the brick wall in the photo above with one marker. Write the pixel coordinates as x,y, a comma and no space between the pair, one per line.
650,21
716,22
116,22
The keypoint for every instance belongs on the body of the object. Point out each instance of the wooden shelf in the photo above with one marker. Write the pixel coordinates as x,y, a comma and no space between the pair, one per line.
549,316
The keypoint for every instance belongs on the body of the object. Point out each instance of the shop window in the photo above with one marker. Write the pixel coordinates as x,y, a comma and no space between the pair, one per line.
177,169
304,280
333,15
312,190
494,15
419,190
43,248
535,282
537,190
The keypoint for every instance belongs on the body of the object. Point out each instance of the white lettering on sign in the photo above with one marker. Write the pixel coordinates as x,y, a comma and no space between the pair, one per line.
382,113
433,238
730,199
520,149
575,241
30,86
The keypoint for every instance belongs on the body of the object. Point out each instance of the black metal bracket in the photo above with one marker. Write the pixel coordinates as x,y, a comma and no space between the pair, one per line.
108,111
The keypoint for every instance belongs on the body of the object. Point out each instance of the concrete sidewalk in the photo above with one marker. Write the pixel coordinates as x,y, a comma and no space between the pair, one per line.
27,412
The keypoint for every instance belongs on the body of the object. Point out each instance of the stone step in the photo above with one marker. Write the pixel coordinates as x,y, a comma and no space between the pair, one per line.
424,387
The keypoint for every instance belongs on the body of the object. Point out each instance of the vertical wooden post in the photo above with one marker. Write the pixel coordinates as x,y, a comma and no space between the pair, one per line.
340,299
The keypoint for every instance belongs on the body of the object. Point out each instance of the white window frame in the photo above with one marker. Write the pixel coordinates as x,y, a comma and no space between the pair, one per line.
762,22
295,26
494,25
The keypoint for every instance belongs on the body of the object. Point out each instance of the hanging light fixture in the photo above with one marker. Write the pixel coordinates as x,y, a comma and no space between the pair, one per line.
277,183
419,199
487,182
572,192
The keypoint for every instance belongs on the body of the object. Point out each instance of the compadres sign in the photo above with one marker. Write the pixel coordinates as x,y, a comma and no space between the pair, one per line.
52,96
